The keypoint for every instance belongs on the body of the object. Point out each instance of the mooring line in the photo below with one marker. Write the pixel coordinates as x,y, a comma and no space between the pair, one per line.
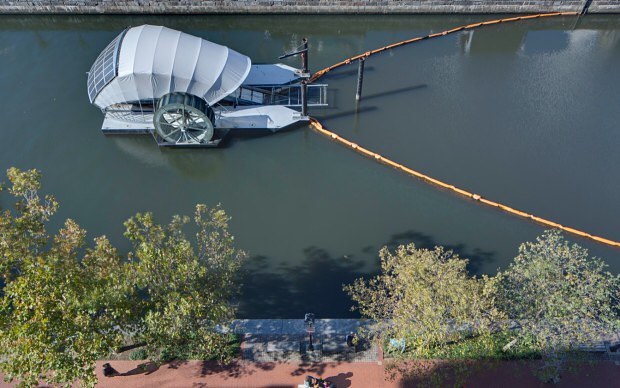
476,197
367,54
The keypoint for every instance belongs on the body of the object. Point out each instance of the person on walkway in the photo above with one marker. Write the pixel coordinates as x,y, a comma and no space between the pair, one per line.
351,339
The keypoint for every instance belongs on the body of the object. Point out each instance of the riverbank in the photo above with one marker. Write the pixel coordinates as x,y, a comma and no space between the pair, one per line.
305,6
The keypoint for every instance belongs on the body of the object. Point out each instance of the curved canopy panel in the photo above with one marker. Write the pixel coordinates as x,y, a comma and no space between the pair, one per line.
151,61
105,68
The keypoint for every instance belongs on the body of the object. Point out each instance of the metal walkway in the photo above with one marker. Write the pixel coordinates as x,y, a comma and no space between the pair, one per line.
288,95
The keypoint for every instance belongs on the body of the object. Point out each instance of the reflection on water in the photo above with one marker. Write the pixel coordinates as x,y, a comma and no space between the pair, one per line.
187,162
523,113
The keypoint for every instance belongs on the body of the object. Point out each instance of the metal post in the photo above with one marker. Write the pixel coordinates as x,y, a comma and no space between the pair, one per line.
309,321
360,79
304,56
585,7
304,98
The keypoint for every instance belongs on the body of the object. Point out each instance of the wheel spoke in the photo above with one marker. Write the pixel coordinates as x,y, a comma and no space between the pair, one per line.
166,128
198,122
171,115
175,131
175,120
189,123
193,128
189,135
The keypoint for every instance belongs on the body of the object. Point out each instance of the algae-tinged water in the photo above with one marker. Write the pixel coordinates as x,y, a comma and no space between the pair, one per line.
525,114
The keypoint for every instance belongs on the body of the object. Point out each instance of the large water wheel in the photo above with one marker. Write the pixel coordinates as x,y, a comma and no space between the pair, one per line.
182,118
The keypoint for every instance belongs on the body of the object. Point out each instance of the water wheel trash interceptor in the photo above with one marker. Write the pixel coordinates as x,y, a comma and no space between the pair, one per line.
188,92
182,118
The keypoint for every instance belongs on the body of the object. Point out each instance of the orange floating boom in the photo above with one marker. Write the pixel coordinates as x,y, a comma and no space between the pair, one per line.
326,70
476,197
382,159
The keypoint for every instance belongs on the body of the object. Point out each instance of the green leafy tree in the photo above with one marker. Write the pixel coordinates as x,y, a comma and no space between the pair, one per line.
64,305
552,298
426,298
559,296
185,292
23,231
57,314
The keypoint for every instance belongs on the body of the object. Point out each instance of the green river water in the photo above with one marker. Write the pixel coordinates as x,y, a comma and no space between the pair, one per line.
525,114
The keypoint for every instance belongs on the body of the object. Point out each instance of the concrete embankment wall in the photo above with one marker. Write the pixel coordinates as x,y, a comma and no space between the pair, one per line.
303,6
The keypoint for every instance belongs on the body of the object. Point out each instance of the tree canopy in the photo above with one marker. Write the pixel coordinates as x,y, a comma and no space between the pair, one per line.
559,295
426,298
552,297
184,292
64,304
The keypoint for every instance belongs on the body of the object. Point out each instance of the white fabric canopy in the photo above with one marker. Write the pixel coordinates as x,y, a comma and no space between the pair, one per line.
155,60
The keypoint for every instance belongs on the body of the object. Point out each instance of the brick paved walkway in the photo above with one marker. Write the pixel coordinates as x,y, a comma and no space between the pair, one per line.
245,374
346,375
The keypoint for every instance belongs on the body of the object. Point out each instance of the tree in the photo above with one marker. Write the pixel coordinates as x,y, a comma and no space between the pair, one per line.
551,298
23,233
57,314
64,305
184,293
559,295
425,297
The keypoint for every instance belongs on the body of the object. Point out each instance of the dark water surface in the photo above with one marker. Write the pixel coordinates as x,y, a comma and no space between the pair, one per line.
525,113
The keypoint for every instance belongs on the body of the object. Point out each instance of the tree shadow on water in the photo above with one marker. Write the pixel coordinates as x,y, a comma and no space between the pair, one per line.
264,293
321,277
476,256
290,291
286,290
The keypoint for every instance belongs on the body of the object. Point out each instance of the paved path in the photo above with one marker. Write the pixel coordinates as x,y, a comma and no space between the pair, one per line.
344,374
273,340
347,375
246,374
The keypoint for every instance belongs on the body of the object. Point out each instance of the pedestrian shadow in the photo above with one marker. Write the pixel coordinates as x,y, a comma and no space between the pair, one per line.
146,369
342,380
